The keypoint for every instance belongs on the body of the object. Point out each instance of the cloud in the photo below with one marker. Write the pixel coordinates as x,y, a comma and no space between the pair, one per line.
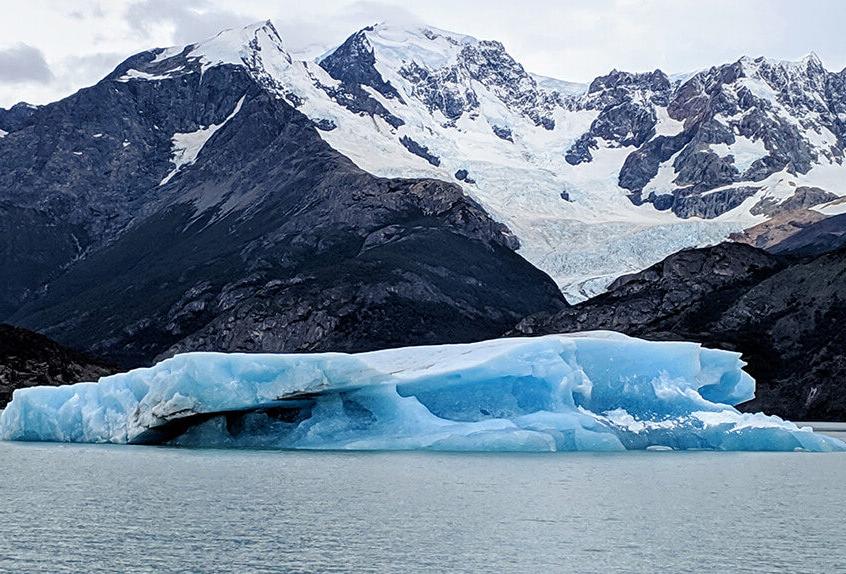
191,20
88,69
83,13
373,12
23,63
309,35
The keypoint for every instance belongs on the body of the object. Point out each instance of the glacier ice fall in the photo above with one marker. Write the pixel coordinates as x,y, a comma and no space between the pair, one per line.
593,391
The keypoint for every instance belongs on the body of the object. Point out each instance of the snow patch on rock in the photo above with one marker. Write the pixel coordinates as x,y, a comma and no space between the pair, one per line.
187,146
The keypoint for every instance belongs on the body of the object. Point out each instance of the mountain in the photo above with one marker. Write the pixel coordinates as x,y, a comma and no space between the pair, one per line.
181,204
226,195
28,359
784,314
595,181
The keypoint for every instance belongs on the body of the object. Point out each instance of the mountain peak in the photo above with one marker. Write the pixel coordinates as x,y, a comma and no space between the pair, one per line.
233,45
751,66
812,58
426,45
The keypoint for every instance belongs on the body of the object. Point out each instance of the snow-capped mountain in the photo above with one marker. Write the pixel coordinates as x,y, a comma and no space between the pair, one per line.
232,157
595,181
184,203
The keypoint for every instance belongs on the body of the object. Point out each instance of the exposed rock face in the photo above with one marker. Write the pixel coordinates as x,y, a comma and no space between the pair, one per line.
792,324
263,239
489,64
502,133
419,150
821,236
353,64
627,114
673,291
742,123
449,89
785,316
803,198
687,204
642,165
739,123
28,359
782,225
15,117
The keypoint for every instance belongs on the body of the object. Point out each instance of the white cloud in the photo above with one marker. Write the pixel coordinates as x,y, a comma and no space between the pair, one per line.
568,39
188,20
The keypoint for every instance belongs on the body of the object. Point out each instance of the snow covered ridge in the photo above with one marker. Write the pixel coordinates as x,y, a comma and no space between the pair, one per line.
594,391
595,181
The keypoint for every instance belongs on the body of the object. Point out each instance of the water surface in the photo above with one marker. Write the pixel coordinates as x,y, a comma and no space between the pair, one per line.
138,509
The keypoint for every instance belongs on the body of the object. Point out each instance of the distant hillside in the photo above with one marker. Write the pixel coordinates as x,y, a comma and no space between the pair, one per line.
28,359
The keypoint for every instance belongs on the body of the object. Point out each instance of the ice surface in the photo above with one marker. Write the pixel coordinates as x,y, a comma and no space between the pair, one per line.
596,391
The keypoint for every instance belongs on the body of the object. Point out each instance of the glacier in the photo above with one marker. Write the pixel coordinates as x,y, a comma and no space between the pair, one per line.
592,391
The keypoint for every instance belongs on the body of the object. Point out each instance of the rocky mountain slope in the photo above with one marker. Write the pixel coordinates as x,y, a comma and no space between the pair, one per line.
784,314
28,359
198,210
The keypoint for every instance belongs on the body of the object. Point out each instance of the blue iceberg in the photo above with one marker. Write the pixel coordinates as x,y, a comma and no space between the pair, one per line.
594,391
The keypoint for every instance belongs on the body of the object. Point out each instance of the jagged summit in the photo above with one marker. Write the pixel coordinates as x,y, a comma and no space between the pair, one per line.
809,60
244,42
232,46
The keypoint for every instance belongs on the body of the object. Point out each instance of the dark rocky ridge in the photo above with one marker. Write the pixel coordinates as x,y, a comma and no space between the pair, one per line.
420,150
822,236
353,64
625,117
785,315
28,359
802,198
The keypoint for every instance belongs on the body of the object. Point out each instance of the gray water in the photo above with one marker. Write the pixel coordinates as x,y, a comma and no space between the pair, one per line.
86,508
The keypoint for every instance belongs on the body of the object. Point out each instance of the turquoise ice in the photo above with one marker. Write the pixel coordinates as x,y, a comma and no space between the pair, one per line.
593,391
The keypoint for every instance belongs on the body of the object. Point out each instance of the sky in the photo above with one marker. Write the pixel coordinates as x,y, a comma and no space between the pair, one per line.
51,48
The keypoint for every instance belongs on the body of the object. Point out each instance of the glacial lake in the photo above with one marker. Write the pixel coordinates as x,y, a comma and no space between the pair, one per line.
75,508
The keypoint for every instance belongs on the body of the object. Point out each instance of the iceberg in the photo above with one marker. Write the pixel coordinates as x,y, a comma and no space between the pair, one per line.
592,391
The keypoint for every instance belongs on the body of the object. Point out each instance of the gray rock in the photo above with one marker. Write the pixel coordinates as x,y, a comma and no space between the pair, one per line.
353,64
28,359
712,204
803,198
502,133
419,150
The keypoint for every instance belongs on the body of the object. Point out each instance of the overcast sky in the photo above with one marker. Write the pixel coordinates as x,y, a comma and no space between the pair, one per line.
50,48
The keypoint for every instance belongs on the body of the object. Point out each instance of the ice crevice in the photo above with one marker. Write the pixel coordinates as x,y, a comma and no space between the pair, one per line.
593,391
